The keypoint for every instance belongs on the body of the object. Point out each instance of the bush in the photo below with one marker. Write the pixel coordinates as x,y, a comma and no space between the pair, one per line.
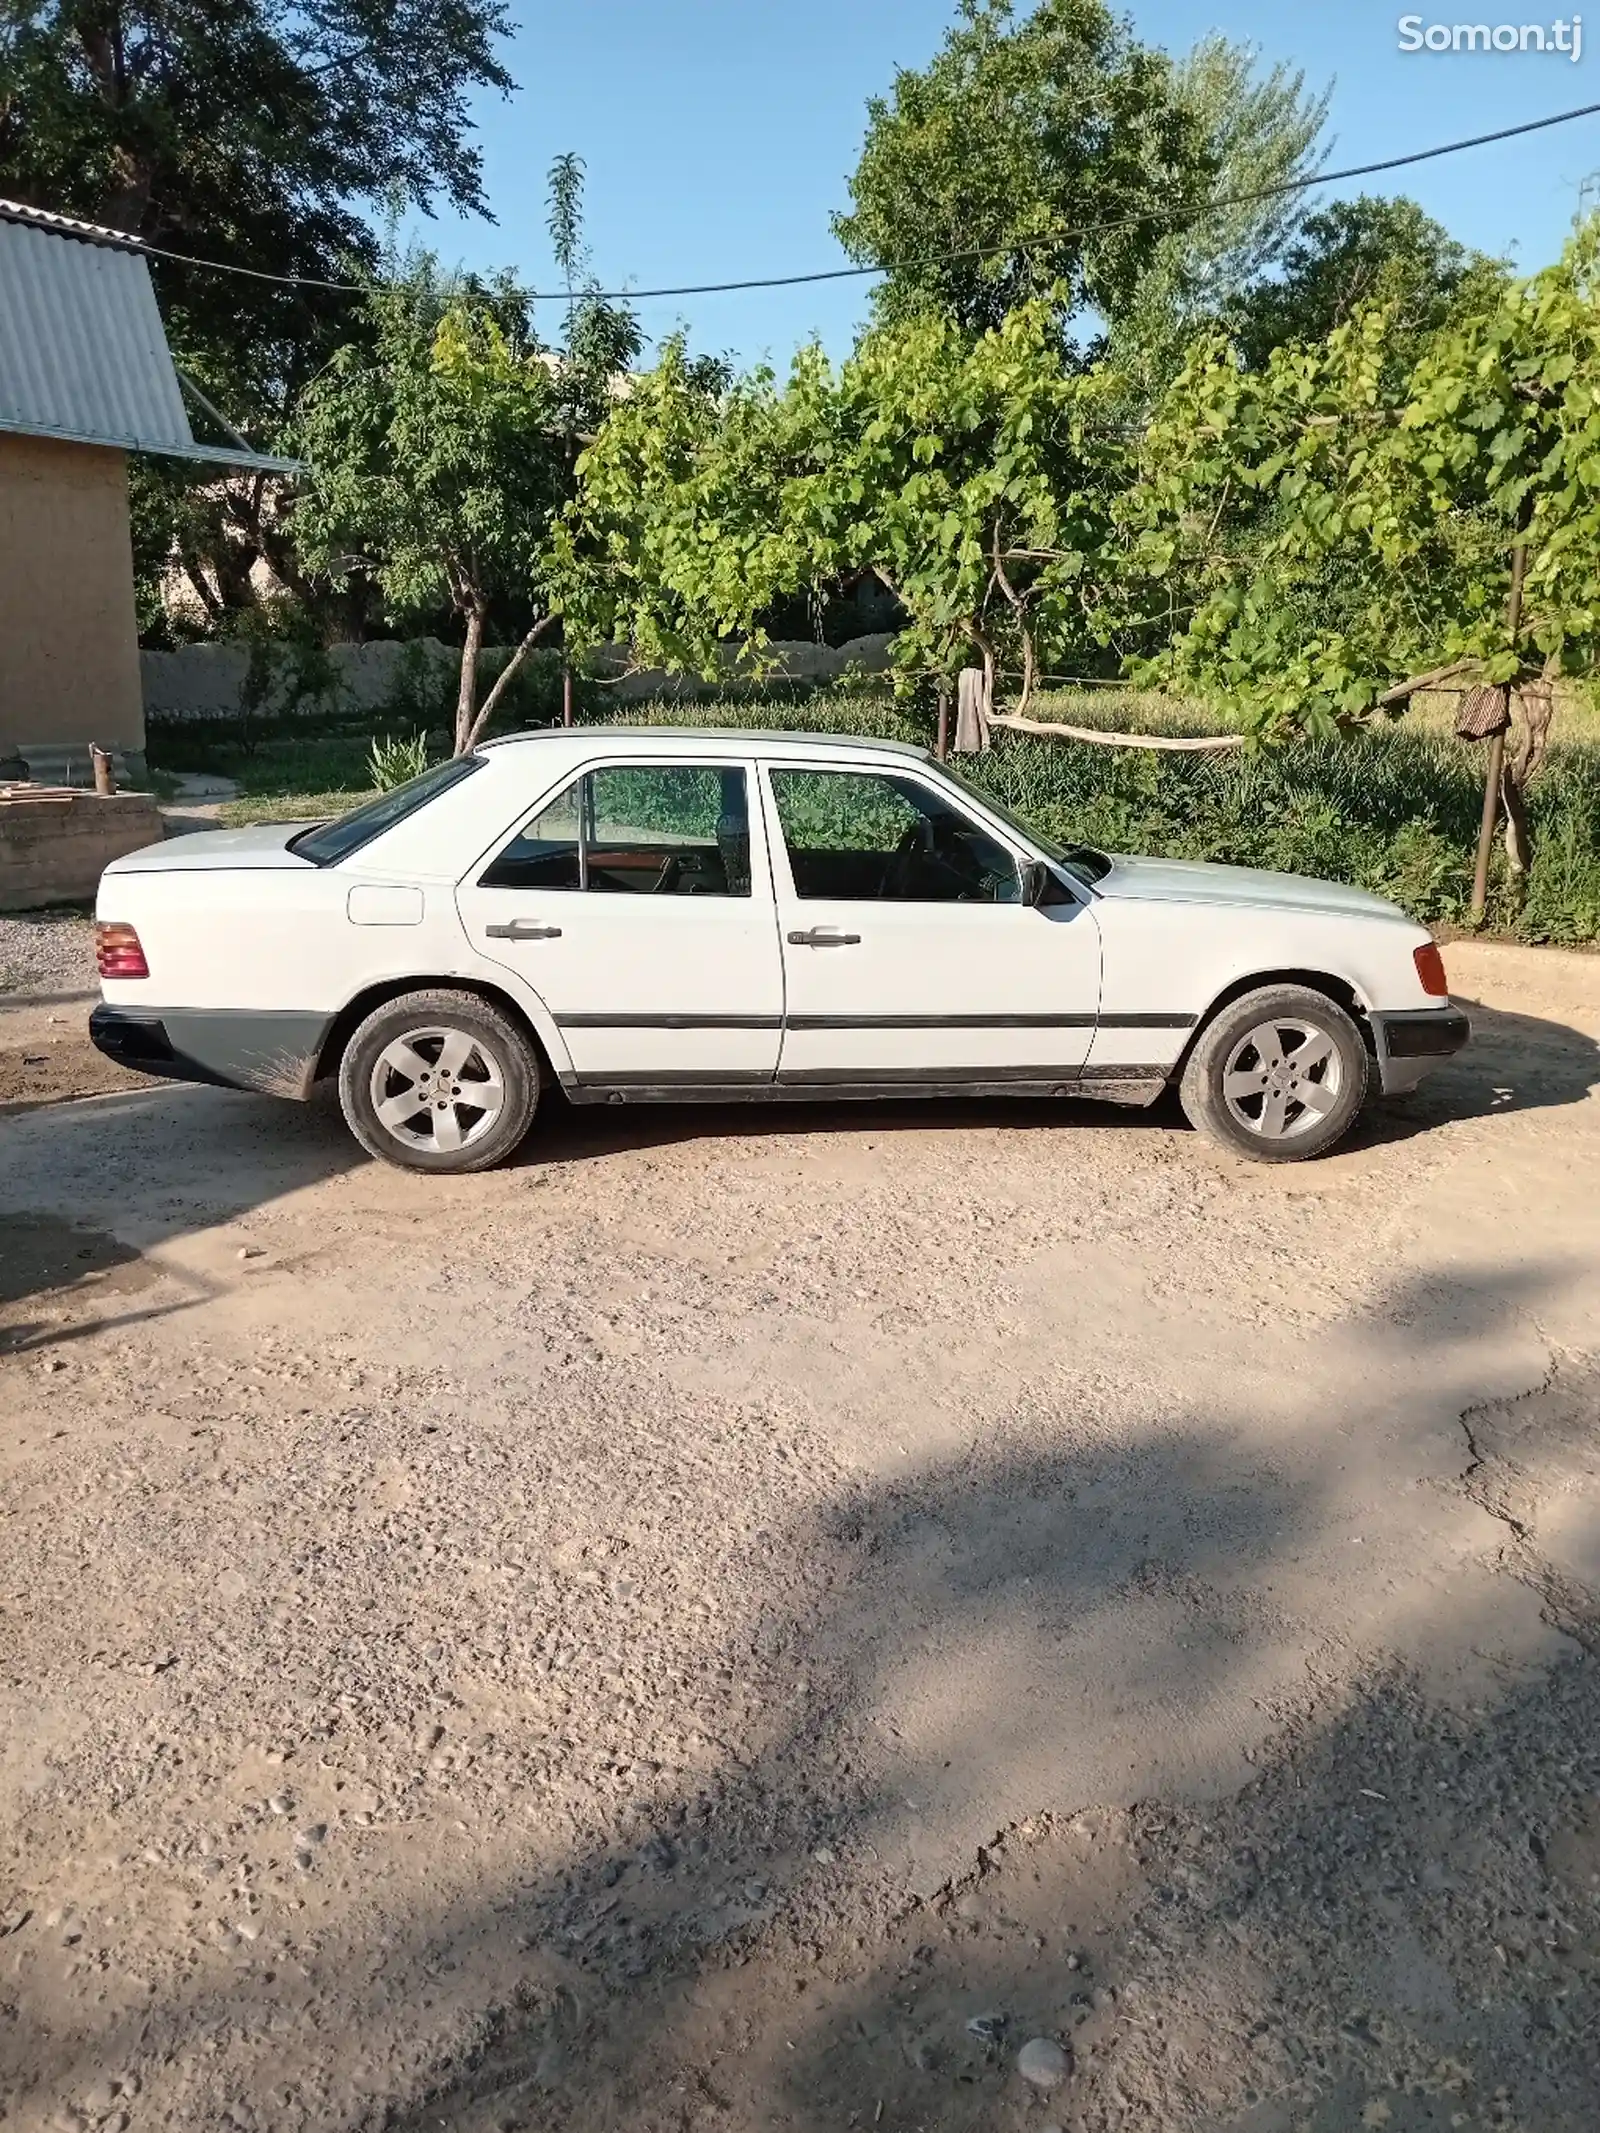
394,760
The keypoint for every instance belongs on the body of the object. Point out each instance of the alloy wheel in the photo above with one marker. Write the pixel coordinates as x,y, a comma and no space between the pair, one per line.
437,1089
1282,1078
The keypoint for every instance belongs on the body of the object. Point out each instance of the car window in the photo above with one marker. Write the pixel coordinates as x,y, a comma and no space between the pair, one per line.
1082,861
328,842
636,830
868,835
544,852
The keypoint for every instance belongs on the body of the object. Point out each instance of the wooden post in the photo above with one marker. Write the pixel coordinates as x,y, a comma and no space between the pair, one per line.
104,782
941,746
566,694
1497,749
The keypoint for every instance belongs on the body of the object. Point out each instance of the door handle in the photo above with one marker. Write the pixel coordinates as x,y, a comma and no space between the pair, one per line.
520,929
823,937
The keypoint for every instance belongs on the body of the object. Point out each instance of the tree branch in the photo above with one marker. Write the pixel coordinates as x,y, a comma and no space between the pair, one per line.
1200,744
1434,679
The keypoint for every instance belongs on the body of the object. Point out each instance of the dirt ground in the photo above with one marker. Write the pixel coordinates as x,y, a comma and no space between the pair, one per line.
743,1622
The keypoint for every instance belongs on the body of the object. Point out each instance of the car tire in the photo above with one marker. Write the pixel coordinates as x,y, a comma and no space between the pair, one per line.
439,1080
1279,1075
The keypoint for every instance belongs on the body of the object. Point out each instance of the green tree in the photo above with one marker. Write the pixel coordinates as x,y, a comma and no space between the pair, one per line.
247,131
439,443
1263,130
1325,534
252,132
1020,132
975,475
1349,256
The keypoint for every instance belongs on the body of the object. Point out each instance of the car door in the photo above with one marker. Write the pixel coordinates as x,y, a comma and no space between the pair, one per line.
637,903
908,952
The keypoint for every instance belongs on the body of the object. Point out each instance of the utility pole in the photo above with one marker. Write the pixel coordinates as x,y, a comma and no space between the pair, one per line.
1497,747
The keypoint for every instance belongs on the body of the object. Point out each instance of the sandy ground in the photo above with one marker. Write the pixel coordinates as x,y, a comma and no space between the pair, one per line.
741,1622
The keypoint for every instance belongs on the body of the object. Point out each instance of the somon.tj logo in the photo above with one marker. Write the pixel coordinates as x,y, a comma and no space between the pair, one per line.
1564,35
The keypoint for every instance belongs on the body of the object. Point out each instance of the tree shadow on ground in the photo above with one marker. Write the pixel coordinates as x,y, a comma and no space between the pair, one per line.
1400,1909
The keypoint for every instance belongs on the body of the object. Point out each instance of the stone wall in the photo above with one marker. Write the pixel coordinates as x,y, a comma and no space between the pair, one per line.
208,680
796,661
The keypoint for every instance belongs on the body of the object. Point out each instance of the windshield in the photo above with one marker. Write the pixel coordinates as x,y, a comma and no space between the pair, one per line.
328,842
1081,861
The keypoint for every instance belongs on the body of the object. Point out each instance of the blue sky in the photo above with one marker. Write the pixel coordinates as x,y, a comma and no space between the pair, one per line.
718,136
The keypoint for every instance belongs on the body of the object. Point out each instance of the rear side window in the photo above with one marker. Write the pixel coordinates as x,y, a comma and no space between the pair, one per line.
329,842
636,830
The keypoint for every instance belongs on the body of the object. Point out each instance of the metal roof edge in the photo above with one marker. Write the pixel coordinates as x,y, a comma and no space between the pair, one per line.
44,218
226,455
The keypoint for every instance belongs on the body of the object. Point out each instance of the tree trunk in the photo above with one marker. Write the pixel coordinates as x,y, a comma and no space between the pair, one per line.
1535,703
468,726
1519,844
476,726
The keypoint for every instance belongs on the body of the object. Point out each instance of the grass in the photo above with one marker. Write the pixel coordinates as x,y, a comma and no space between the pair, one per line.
1394,809
289,807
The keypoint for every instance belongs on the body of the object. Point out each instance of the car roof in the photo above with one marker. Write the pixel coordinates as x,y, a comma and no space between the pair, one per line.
698,736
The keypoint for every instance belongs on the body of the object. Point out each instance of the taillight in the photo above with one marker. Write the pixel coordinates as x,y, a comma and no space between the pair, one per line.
1430,969
117,951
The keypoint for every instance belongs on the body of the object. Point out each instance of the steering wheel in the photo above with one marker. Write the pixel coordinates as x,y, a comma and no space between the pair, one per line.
666,882
914,850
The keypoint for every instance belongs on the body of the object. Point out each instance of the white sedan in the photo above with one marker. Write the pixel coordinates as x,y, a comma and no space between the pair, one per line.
644,916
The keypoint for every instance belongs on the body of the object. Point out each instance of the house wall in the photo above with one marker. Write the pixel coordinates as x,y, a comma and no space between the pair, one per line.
69,648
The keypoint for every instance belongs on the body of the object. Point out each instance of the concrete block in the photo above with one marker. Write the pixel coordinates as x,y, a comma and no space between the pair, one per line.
55,843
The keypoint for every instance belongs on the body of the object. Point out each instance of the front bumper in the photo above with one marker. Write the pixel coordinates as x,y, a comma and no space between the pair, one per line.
267,1050
1407,1043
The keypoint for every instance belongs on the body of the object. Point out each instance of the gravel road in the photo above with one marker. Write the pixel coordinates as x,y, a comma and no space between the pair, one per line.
47,952
742,1622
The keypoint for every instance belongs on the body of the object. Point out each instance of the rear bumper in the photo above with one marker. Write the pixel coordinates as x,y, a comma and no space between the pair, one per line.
1410,1042
270,1051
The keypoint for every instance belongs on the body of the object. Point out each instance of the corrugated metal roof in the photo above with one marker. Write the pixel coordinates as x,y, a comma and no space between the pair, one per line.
46,218
82,352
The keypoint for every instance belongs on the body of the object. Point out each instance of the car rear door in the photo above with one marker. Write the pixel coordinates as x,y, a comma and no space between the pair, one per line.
637,904
909,956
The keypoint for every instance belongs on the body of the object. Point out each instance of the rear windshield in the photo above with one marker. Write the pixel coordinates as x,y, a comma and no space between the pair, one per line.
326,843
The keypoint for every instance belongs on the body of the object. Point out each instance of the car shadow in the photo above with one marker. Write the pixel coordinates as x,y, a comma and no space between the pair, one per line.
578,1133
139,1169
1514,1062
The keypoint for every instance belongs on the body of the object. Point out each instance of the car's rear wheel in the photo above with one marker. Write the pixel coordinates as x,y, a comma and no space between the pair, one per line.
1279,1075
439,1081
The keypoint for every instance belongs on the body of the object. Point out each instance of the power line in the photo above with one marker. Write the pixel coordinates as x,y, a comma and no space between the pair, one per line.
934,259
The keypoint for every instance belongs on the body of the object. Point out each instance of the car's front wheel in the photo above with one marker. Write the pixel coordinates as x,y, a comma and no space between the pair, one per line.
1279,1075
439,1081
